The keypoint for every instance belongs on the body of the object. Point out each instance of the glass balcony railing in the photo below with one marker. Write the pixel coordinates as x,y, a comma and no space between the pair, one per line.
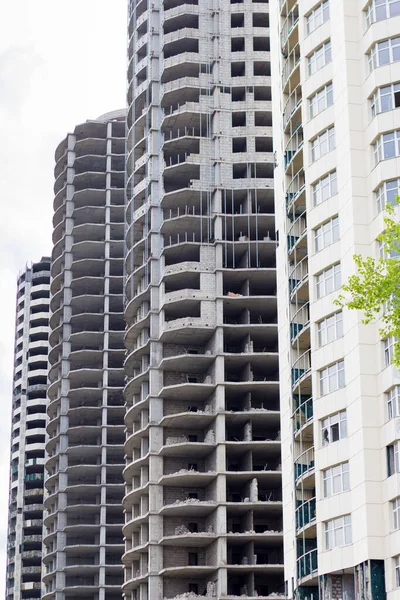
307,564
301,366
292,103
294,144
298,274
295,188
303,412
305,513
300,320
297,230
291,62
304,463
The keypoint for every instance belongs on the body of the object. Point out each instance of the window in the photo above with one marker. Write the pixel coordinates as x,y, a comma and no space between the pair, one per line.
319,58
327,234
336,480
396,512
397,570
385,252
317,17
387,193
387,146
328,281
338,532
324,188
378,10
385,98
393,402
389,349
384,53
330,329
393,462
321,100
332,378
334,428
322,144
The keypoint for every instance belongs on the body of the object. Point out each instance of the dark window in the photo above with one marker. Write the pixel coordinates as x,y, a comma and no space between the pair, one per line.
193,559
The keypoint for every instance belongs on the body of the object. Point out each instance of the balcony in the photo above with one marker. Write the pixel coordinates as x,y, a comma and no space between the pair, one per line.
301,368
305,513
305,464
303,412
307,564
299,323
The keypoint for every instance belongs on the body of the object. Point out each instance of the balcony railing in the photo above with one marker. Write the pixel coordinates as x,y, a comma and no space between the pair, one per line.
307,564
301,366
304,463
298,274
303,413
297,230
294,144
300,320
290,64
295,188
305,513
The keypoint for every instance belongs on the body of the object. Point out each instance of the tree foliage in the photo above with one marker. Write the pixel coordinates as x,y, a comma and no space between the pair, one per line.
375,287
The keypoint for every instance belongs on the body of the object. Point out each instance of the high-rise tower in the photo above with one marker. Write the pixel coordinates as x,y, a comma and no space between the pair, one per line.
84,490
24,543
203,475
336,132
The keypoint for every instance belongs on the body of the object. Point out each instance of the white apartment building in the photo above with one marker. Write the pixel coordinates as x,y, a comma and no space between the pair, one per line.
336,134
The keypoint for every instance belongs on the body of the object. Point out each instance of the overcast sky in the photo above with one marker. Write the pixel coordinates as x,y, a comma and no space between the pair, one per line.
61,63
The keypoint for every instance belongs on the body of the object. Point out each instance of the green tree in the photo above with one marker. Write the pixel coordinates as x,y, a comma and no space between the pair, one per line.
375,288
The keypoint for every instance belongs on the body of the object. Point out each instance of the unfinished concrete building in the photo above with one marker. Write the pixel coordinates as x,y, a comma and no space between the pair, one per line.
203,476
84,484
25,517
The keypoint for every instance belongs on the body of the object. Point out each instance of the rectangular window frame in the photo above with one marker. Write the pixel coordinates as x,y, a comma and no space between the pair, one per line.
385,98
393,402
385,52
321,100
323,143
395,506
319,58
328,281
338,532
375,13
387,146
330,329
336,479
327,234
334,428
317,17
387,193
324,188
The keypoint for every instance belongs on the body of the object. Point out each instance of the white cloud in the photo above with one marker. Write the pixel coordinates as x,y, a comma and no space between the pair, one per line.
61,63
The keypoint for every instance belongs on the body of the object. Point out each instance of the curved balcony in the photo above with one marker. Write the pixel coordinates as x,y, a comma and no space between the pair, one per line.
293,156
300,328
303,416
289,31
295,194
297,236
304,468
298,281
307,566
301,373
291,70
306,517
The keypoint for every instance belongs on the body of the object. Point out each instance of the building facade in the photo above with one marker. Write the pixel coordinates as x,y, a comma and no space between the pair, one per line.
336,131
85,432
24,542
203,474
